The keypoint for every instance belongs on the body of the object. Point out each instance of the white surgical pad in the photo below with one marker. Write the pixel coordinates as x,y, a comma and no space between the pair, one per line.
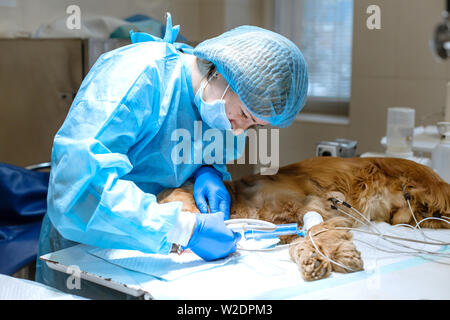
166,267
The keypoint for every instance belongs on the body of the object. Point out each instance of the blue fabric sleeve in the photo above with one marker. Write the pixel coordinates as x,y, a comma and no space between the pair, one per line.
89,201
222,168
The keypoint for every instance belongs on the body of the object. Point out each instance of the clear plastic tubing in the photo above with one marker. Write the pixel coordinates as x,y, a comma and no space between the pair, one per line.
281,230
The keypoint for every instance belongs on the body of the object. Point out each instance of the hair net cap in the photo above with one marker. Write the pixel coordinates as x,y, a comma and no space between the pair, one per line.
266,70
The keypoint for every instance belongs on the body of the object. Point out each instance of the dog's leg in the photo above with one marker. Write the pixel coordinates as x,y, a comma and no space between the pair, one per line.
311,265
323,243
183,195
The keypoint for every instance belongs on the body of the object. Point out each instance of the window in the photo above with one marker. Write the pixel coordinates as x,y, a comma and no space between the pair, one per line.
323,31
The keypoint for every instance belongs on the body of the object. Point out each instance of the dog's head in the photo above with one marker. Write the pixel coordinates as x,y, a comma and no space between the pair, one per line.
431,204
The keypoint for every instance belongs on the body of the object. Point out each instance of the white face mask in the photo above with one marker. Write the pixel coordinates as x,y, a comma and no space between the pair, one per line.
212,113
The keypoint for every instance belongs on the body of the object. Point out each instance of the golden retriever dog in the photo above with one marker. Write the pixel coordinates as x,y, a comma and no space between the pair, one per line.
377,187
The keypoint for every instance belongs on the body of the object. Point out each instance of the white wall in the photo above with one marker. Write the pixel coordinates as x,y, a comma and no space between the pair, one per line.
392,66
250,12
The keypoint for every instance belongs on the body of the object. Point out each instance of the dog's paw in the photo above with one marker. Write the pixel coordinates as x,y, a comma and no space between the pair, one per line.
347,255
311,264
314,267
332,250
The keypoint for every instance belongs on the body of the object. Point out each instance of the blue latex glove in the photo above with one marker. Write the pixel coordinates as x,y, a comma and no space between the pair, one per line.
209,189
211,239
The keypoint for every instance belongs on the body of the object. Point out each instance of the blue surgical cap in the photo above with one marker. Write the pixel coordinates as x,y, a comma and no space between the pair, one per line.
266,70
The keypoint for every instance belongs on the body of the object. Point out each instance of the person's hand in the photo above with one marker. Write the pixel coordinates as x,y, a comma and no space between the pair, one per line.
210,190
211,239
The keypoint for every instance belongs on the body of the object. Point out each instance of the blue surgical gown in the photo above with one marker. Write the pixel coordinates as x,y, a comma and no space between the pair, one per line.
114,152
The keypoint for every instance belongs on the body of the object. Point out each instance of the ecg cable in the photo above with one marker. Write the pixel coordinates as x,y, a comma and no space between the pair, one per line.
387,237
258,229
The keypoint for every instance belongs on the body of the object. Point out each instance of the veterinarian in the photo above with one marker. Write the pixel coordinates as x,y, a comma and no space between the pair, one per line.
112,155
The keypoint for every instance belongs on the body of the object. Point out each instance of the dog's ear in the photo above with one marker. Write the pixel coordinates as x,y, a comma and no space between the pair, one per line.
446,201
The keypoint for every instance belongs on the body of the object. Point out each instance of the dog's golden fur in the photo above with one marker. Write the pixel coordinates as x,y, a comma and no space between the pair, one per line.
374,186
